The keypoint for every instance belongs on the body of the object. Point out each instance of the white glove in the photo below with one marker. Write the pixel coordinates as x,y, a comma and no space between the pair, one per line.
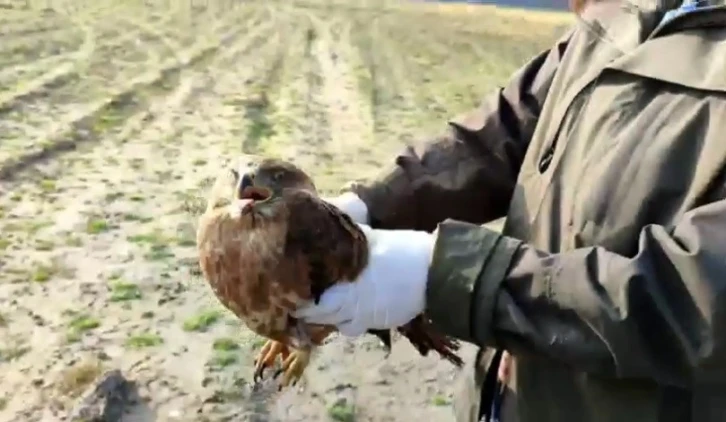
389,293
352,205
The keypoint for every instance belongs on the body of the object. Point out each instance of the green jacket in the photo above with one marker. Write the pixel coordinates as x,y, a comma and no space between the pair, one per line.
607,155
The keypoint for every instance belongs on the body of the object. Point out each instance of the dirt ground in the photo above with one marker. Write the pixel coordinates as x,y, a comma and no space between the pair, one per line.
114,117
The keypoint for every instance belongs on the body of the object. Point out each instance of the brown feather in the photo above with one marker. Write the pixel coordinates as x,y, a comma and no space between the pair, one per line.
336,249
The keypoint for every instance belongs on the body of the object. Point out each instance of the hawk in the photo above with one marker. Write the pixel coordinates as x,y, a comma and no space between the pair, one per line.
268,244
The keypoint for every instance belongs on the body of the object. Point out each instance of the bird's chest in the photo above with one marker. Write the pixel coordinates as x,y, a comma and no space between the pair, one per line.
243,273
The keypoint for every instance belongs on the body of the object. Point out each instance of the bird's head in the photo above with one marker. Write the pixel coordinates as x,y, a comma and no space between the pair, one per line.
260,188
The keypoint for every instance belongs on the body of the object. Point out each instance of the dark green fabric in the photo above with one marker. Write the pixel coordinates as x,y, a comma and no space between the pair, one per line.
607,154
468,264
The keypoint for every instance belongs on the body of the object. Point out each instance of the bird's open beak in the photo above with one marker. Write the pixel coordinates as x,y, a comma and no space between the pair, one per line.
254,193
248,196
248,190
245,182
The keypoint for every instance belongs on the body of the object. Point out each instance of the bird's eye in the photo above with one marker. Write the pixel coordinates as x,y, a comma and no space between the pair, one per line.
278,176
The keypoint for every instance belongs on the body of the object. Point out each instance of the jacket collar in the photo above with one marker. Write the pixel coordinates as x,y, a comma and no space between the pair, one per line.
679,14
705,14
672,51
628,23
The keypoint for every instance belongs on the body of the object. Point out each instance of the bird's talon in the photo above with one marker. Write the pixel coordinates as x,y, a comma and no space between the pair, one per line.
259,375
267,356
293,363
293,367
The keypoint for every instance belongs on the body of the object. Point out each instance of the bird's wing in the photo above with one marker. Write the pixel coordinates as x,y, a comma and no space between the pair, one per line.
333,246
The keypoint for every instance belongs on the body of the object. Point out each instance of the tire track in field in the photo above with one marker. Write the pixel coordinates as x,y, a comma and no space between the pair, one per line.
89,123
184,28
17,49
149,30
57,77
401,94
118,143
318,127
41,26
257,105
430,65
390,85
43,104
161,136
115,63
26,19
33,88
325,125
349,115
38,66
196,81
85,7
199,82
313,129
290,108
53,98
370,80
29,32
165,104
67,71
153,28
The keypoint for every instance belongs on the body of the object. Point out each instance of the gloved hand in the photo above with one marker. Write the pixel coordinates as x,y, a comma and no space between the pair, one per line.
390,291
352,205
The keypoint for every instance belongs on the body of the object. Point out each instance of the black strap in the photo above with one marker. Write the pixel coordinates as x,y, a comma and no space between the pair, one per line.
491,390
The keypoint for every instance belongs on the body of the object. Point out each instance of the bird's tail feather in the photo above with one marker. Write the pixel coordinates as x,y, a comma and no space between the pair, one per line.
384,336
425,338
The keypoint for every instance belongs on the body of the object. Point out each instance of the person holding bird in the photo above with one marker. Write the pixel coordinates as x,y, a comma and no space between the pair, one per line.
607,286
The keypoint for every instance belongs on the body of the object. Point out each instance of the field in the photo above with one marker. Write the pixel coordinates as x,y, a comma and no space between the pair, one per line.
114,117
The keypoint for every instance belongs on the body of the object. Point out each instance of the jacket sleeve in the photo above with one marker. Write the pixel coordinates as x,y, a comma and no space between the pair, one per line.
660,315
469,172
